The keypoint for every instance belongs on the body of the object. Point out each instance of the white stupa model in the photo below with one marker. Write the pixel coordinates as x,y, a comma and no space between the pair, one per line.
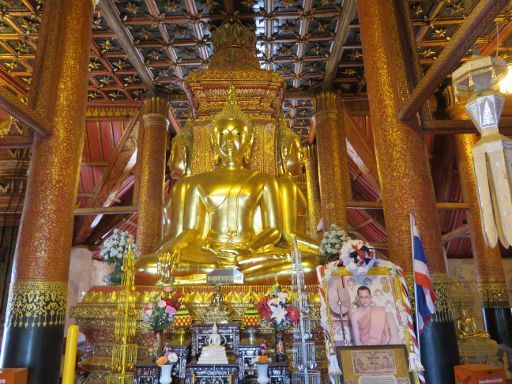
213,353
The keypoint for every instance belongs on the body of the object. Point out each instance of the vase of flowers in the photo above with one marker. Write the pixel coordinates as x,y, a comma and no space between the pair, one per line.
112,251
331,244
166,362
262,370
160,311
280,313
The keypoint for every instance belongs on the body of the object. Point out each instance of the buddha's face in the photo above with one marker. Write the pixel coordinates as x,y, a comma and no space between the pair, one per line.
231,139
178,161
292,159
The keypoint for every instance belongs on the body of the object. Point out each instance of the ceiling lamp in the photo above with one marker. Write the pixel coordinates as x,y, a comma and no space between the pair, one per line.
492,154
506,83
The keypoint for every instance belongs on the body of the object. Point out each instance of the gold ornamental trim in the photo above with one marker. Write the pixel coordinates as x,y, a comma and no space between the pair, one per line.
494,295
34,304
102,112
442,290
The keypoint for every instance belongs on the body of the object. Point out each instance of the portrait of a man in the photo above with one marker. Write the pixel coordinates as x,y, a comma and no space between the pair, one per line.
372,324
362,310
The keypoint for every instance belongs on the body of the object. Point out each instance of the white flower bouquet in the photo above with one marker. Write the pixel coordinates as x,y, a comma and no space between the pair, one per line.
114,247
331,244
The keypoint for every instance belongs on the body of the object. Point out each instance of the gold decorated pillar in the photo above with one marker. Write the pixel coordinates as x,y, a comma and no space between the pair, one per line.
489,265
155,122
402,158
36,309
312,189
404,171
333,171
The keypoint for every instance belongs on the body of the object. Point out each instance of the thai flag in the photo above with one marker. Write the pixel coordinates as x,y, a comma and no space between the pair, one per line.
425,296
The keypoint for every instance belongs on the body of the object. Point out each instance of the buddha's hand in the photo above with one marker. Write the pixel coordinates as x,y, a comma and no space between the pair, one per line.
226,259
168,261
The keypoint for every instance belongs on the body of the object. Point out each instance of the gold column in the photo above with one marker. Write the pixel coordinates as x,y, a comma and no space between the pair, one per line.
152,170
333,172
37,296
404,170
312,189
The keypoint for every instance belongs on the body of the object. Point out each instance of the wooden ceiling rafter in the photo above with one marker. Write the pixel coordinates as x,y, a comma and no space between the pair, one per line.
119,168
111,15
484,12
301,42
24,114
269,32
219,17
343,25
167,41
426,24
198,28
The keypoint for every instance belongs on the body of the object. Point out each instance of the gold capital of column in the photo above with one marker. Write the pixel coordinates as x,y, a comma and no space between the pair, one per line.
325,104
154,119
157,102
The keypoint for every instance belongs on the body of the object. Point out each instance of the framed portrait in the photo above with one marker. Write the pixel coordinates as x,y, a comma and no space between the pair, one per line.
374,364
364,310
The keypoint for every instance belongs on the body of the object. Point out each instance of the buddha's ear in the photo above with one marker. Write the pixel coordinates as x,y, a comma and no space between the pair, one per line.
214,142
248,147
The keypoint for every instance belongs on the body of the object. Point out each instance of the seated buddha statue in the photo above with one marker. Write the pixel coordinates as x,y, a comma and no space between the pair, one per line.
467,327
232,216
293,209
179,167
294,202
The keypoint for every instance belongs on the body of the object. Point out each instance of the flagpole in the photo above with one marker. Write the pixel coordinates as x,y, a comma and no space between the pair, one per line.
411,223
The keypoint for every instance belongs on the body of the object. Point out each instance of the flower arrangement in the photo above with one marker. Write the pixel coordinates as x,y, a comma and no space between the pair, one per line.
357,257
331,244
160,311
276,309
168,358
262,357
114,247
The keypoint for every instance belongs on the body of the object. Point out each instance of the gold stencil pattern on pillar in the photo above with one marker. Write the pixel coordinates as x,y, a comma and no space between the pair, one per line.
37,303
442,289
494,295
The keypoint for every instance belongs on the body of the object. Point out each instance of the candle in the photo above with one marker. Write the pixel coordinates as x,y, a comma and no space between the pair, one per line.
68,374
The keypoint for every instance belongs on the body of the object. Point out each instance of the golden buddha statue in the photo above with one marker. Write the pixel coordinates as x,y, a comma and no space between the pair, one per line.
467,327
294,202
179,168
233,216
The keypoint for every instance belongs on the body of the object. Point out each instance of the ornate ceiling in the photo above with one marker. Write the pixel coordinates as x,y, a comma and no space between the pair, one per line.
311,43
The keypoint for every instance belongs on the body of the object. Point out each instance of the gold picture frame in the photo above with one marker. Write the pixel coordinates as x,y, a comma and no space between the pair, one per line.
374,364
340,292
